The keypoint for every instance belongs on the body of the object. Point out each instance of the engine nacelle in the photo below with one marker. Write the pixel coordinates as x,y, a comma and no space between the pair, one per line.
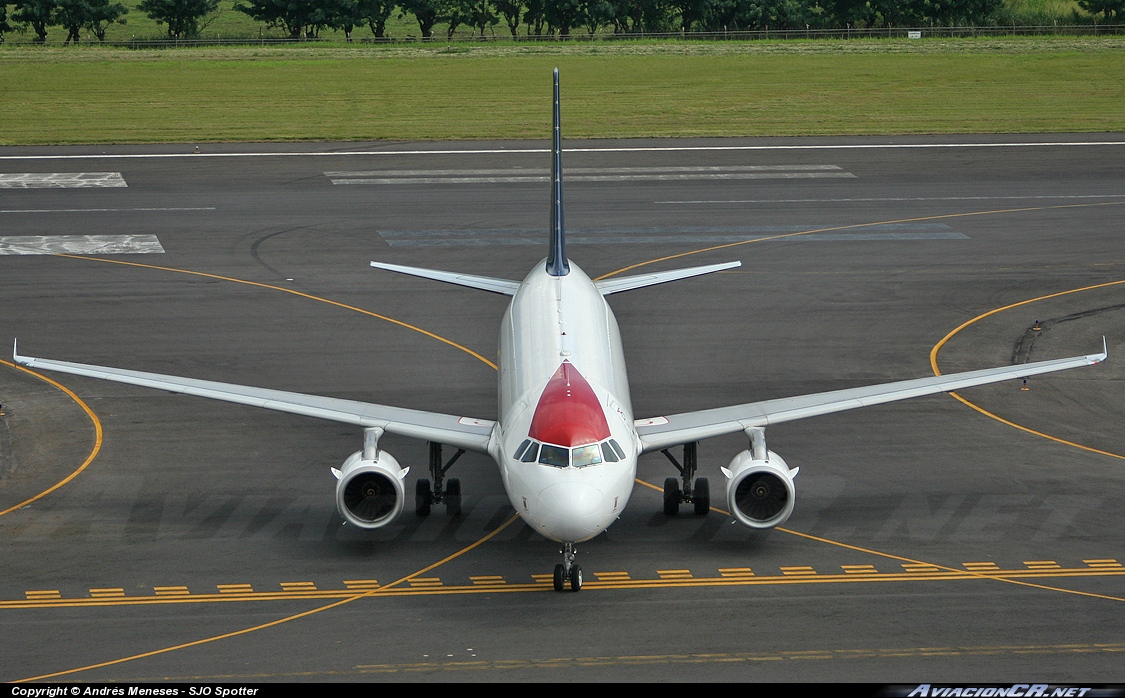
760,493
370,493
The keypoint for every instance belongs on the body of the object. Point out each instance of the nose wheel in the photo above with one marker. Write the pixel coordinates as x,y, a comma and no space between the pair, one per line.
567,573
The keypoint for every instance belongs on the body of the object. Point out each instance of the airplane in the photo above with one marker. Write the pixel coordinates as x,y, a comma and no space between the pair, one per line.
566,440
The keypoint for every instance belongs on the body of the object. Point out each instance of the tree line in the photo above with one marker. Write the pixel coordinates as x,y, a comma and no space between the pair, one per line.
300,19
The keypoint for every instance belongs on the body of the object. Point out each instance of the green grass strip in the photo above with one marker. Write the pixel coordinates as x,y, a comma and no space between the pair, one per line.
95,95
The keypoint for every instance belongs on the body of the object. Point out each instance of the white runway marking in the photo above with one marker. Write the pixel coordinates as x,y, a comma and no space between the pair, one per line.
61,180
101,210
588,174
895,198
79,244
623,149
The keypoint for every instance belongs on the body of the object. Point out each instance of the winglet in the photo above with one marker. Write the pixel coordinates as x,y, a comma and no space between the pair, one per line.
1098,358
16,358
557,264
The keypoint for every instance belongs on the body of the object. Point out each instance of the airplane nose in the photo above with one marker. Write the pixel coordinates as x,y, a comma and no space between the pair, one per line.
573,512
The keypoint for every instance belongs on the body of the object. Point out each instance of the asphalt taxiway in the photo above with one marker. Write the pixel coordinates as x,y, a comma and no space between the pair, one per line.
932,539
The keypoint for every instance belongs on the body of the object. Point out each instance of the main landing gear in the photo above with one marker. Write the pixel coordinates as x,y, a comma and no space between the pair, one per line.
425,497
698,496
568,573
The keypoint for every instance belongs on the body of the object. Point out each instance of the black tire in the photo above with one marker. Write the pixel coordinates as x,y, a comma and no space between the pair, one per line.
423,497
453,497
701,496
560,578
576,578
671,496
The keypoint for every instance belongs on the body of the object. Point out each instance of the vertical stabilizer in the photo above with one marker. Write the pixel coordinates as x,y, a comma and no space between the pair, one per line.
557,264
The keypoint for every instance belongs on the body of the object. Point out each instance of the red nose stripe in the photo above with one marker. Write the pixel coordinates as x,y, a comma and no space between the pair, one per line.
568,413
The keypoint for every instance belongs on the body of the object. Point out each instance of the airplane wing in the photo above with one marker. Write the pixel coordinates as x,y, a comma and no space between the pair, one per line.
460,432
661,432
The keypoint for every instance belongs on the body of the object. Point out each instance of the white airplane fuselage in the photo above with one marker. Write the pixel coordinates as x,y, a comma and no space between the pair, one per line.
563,387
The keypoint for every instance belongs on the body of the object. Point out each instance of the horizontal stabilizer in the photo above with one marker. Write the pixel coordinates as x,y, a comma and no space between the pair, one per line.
485,283
628,283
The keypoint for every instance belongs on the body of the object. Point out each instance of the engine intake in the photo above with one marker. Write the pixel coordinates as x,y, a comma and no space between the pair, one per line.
760,493
370,493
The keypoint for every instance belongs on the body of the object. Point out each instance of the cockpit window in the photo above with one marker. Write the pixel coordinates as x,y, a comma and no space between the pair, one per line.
585,455
522,448
554,455
531,454
617,448
608,453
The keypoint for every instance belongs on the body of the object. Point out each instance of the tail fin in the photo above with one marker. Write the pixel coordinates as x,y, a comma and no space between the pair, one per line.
557,264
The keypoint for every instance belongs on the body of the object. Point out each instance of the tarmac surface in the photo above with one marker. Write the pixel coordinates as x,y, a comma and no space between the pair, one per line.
931,541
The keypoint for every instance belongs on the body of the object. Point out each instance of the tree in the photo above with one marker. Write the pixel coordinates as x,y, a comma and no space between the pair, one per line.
480,15
95,15
375,14
38,14
1112,10
104,13
535,16
427,12
561,15
4,26
597,13
301,18
185,18
510,10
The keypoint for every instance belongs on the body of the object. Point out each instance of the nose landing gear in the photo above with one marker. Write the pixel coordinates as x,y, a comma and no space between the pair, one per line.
568,573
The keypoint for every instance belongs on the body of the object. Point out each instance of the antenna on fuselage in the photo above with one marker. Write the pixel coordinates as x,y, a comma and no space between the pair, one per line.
557,264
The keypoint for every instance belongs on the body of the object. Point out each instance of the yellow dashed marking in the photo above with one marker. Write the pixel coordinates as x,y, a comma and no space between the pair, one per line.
361,583
981,566
234,588
543,578
107,593
859,569
425,582
487,579
919,567
797,570
612,576
1042,564
44,594
171,591
674,574
1103,563
735,572
298,586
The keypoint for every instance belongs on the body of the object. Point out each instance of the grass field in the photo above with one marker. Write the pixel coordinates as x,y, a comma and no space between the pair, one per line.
99,95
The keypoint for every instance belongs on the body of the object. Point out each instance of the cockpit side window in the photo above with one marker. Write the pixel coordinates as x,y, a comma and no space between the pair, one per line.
608,453
531,454
554,455
617,448
523,447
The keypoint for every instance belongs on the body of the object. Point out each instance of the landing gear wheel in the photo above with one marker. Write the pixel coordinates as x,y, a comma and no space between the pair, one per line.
701,496
575,578
560,577
671,496
453,497
423,497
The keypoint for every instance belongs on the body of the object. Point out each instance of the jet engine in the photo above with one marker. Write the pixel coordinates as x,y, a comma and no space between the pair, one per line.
760,492
369,491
